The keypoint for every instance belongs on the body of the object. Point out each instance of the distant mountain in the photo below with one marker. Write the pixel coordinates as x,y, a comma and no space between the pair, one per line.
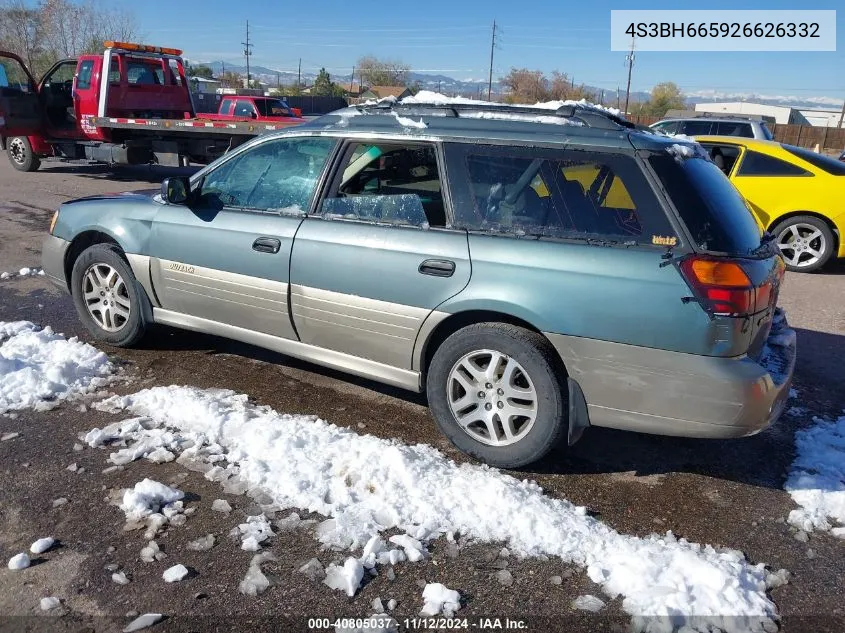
478,87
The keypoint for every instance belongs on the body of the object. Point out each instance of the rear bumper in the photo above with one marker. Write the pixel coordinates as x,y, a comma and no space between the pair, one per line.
53,252
670,393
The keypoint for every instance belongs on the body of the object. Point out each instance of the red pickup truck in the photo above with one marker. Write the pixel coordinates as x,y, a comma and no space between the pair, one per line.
240,107
130,105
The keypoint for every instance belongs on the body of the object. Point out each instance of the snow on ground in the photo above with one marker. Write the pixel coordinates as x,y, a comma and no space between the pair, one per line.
50,602
18,561
367,485
816,479
42,545
142,622
175,573
39,367
588,603
23,272
438,598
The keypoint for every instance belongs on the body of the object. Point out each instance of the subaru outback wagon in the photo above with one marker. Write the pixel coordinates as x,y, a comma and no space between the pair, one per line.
535,272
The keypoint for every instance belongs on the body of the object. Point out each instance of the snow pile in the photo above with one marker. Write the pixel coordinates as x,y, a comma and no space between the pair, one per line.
254,532
680,152
406,122
255,582
435,98
23,272
175,573
39,366
369,485
439,599
345,578
18,561
154,505
42,545
816,479
588,603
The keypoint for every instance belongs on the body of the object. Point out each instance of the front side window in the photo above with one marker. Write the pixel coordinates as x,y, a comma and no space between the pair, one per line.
273,107
757,164
279,176
83,79
393,183
13,77
245,109
549,193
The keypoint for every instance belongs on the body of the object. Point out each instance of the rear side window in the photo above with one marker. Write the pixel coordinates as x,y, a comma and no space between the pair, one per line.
828,164
712,209
696,128
757,164
730,128
245,108
83,79
549,193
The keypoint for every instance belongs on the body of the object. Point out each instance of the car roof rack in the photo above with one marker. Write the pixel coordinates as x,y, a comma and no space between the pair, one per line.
586,115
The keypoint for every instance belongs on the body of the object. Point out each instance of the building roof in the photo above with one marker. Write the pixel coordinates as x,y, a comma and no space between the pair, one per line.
389,91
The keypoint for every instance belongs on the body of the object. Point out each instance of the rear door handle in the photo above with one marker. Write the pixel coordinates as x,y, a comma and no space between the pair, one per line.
267,245
438,267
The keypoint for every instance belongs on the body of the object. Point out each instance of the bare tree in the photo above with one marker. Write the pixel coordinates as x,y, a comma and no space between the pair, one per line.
59,29
383,72
21,31
525,86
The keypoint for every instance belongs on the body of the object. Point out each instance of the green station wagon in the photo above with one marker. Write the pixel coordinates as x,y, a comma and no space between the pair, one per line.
535,271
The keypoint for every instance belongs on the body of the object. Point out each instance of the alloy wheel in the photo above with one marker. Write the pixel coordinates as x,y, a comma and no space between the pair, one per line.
801,244
492,397
106,297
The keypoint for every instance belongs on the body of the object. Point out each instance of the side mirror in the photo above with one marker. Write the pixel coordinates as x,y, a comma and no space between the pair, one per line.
175,190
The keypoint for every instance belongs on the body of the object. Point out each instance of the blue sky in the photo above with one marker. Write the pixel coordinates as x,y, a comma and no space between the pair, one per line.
453,37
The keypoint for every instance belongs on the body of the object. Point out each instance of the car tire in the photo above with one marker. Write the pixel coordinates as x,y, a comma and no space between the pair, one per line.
813,235
111,307
20,153
533,385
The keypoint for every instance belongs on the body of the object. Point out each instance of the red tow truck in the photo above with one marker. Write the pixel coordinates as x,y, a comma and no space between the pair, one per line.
131,105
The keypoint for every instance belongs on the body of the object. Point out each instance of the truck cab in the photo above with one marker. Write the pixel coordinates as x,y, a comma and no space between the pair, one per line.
256,108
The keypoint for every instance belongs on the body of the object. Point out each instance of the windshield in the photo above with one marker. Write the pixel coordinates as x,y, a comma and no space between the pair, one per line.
712,209
272,107
826,163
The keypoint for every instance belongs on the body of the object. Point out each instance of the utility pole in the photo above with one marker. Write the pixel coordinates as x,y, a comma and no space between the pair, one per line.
490,77
630,59
617,97
352,81
247,53
299,74
842,116
601,98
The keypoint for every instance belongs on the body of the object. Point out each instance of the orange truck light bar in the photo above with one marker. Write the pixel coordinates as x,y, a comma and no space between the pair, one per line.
142,48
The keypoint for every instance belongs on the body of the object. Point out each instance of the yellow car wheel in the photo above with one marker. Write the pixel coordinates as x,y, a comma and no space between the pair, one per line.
806,242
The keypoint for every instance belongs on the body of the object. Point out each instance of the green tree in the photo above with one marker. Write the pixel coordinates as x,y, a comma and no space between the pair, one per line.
664,96
202,71
325,87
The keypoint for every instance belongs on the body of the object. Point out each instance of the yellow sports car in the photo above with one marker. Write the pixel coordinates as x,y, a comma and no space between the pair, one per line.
795,193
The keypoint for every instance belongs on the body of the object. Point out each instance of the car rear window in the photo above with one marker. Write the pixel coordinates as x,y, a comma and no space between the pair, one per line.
826,163
710,206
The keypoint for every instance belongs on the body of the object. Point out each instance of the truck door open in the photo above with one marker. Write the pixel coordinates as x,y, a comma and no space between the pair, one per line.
20,113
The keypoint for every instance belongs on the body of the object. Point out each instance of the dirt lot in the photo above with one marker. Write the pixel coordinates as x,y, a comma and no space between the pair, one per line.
724,493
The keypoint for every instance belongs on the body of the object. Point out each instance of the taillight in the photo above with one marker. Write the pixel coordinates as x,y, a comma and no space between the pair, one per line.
722,286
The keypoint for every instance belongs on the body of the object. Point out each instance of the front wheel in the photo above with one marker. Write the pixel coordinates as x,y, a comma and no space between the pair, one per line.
106,296
806,242
495,392
21,155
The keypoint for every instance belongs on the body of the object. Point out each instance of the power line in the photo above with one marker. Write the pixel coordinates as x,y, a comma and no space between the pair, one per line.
630,59
247,53
490,76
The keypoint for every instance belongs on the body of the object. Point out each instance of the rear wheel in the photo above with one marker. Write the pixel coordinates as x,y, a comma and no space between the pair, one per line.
494,391
806,242
21,155
106,296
